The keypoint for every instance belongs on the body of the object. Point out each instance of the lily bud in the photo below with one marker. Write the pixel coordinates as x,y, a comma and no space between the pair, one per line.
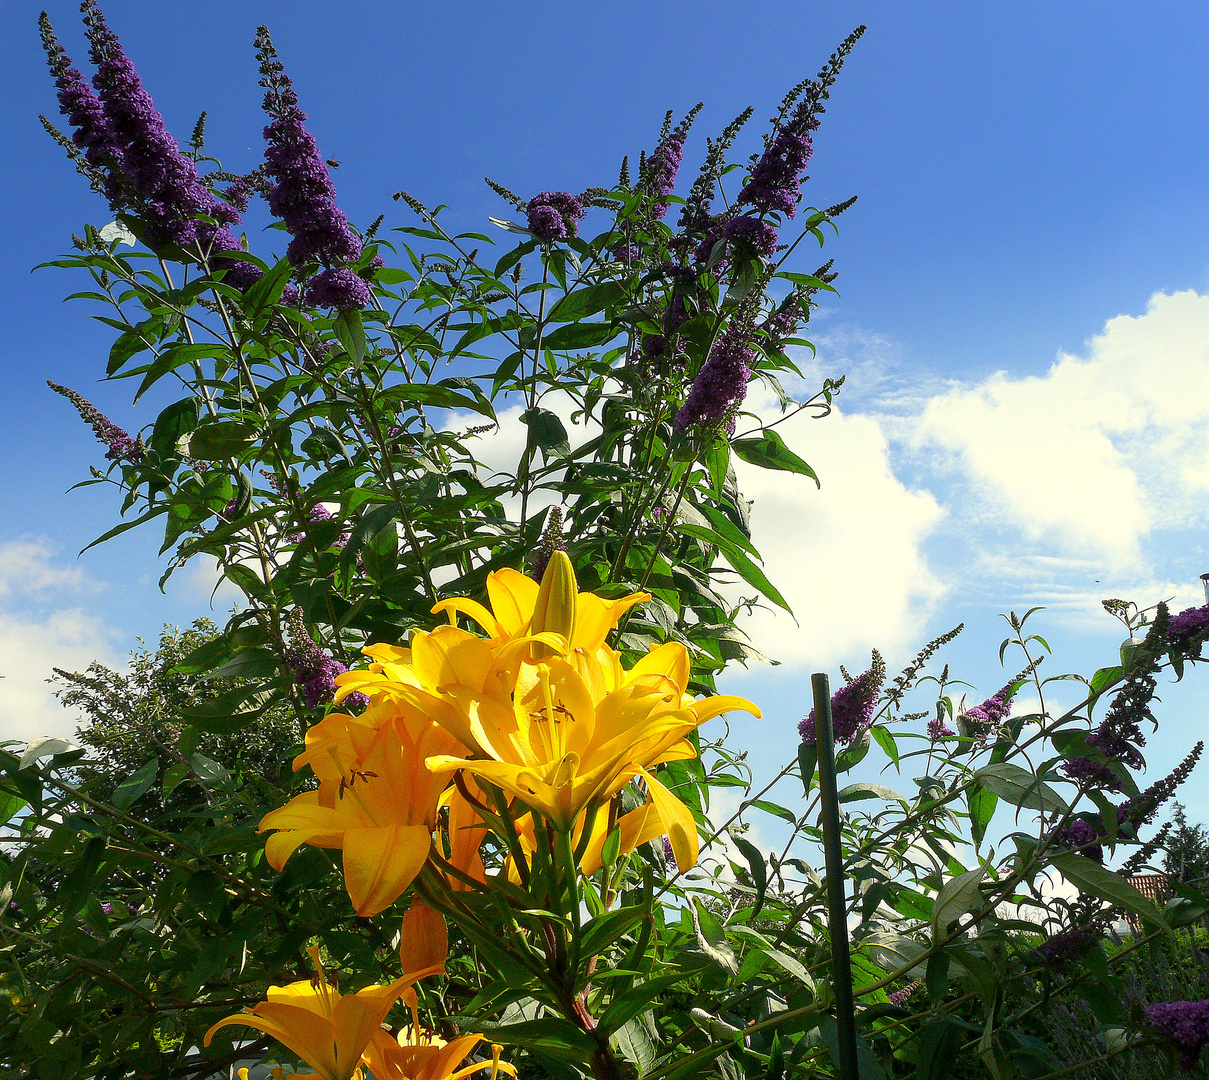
423,941
554,611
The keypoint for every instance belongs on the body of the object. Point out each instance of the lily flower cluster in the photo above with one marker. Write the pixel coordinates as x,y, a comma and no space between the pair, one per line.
539,718
341,1035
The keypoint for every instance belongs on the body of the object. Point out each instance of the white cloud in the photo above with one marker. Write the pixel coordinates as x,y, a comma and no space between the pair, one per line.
847,557
38,633
1102,450
26,568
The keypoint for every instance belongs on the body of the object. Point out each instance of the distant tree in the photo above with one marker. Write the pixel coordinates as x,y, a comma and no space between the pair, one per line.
135,716
1187,854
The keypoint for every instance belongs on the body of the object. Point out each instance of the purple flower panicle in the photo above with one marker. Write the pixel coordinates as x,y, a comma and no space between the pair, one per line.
982,719
756,234
720,386
937,729
851,706
339,288
775,182
554,215
172,194
663,165
1185,1023
315,670
1188,624
1083,837
1069,946
121,446
303,195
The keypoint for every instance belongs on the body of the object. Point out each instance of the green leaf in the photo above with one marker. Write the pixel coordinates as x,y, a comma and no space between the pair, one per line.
808,760
134,341
857,792
547,1035
936,978
887,742
711,938
176,356
587,335
627,1005
10,805
547,432
136,785
982,808
581,303
866,1061
173,775
350,332
938,1048
267,289
172,424
204,657
774,809
1089,876
221,439
759,872
1019,787
769,451
738,559
78,884
956,897
249,664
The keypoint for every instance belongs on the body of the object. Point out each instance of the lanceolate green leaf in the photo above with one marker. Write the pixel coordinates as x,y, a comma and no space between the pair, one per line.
769,451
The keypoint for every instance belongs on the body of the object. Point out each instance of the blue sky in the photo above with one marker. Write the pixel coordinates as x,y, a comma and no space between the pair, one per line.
1023,312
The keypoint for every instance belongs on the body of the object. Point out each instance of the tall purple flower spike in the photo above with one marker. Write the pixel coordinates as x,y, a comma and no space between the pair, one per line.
720,386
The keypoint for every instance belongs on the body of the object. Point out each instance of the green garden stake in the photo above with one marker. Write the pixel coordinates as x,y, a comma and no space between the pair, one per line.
837,908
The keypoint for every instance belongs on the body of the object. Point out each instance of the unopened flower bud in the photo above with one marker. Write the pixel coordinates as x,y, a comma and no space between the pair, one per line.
554,612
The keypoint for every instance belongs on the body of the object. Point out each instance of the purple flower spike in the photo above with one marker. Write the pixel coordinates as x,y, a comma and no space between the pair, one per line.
315,670
663,165
337,288
719,388
758,235
554,215
775,181
121,446
851,706
172,194
1185,1023
303,195
1069,946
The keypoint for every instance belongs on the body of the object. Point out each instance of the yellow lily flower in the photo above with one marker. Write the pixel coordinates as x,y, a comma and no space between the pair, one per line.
576,730
377,802
423,942
328,1030
417,1055
520,608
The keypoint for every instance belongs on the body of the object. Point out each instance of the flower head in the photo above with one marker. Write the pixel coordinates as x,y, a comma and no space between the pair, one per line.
851,705
328,1030
720,386
774,185
554,215
302,195
338,287
758,235
1185,1023
121,446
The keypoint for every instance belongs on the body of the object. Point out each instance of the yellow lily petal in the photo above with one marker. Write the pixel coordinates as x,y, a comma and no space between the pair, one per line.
512,599
637,827
472,609
677,821
379,864
595,617
423,942
708,708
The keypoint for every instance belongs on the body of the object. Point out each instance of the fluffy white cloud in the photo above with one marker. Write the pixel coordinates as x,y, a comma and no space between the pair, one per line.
1101,450
848,557
38,633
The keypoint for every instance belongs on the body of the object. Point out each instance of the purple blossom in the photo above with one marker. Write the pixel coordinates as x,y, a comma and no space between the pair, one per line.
712,234
626,252
1079,834
1185,1023
662,167
1069,946
121,446
851,706
319,512
107,907
756,234
938,730
552,540
171,191
720,386
315,670
303,195
237,194
553,215
898,997
774,184
337,288
1188,624
1141,808
84,113
982,719
669,855
367,272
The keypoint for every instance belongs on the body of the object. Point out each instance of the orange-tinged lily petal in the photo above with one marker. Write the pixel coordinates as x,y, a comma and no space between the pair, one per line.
677,821
380,863
328,1031
595,617
637,827
423,942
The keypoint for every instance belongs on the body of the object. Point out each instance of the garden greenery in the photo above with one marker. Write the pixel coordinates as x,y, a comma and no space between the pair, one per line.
490,847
